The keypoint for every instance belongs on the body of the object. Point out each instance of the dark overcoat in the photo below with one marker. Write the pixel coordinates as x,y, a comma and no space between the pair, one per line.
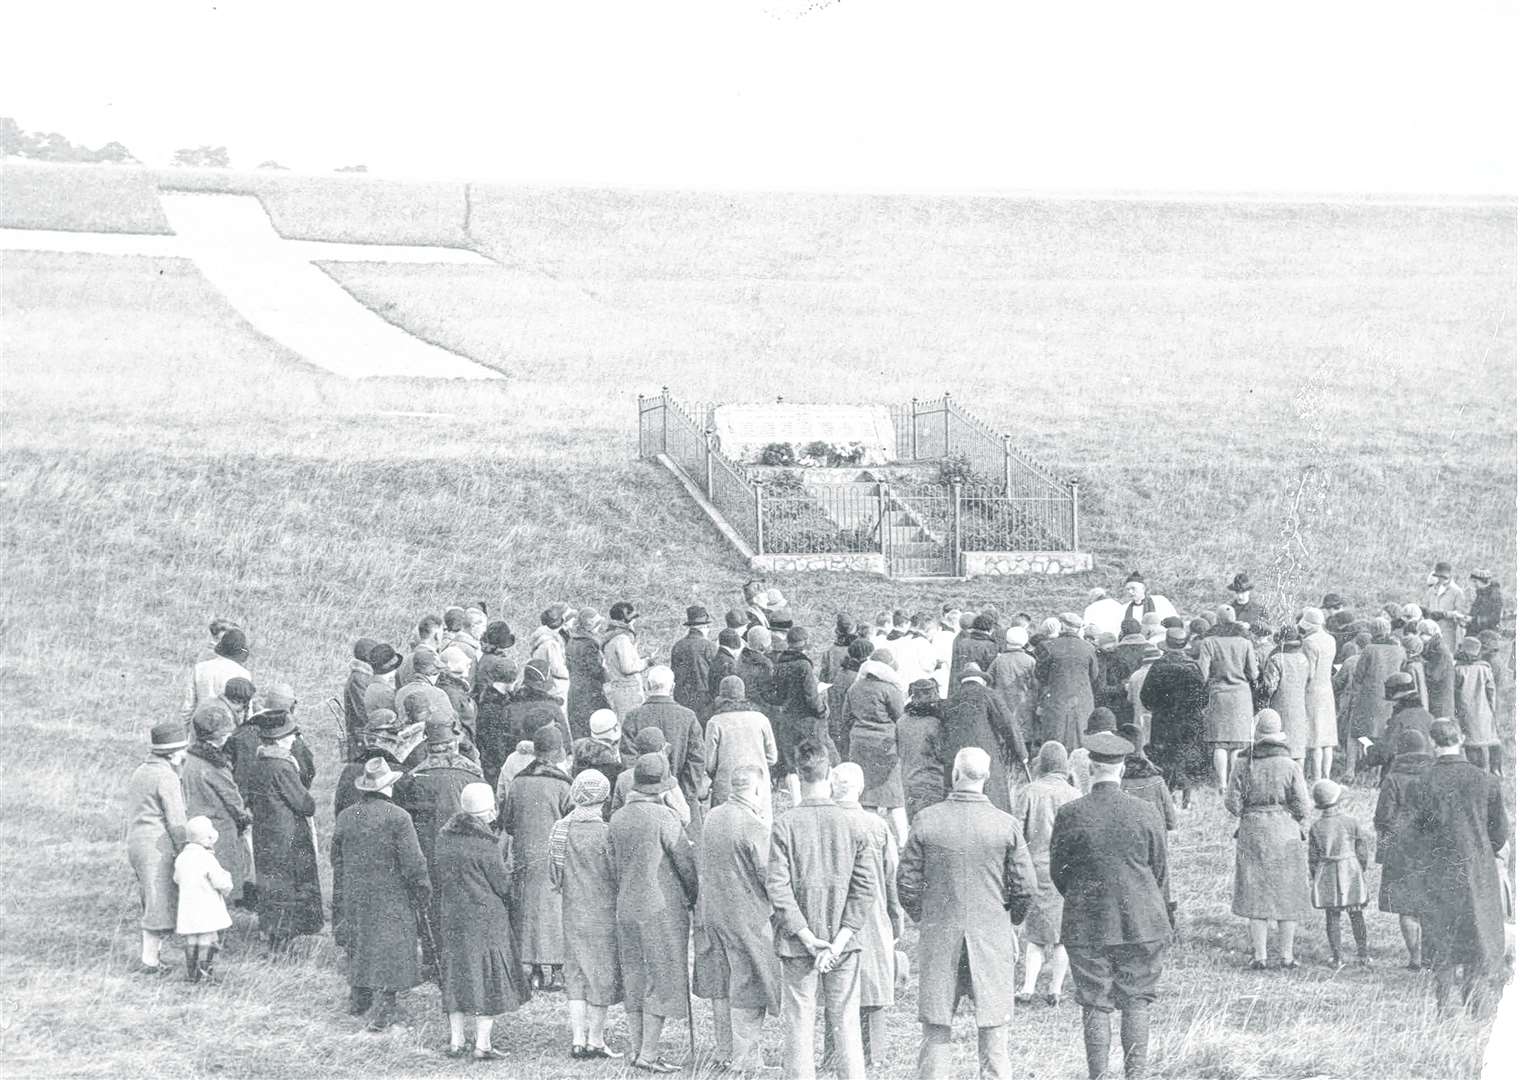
1068,673
380,881
796,709
583,659
430,793
285,850
1174,693
734,957
723,663
495,737
966,878
919,756
657,887
540,795
1109,860
1012,676
973,647
1437,661
835,704
588,889
1461,815
530,710
755,669
360,678
1369,710
211,792
480,973
1400,848
975,717
691,659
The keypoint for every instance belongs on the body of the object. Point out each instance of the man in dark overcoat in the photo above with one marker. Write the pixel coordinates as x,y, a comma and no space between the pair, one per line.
1067,672
684,739
966,878
1109,860
819,879
1174,692
1461,811
380,884
736,966
691,660
976,646
657,887
976,716
360,676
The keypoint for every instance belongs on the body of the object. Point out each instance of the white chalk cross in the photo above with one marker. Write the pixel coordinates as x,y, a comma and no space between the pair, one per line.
272,282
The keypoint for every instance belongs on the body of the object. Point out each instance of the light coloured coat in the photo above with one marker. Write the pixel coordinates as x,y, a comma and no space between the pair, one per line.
202,884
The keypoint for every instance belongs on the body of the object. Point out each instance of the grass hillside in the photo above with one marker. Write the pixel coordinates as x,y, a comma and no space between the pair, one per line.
1323,396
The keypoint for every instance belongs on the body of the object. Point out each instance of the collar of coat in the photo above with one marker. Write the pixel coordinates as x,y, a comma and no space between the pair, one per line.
748,803
666,699
361,667
463,824
449,759
723,705
791,654
755,657
615,629
593,751
274,752
876,669
213,755
1269,749
540,767
966,796
1418,761
1470,661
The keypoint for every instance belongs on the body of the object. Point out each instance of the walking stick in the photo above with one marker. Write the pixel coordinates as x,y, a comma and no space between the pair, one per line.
692,1037
432,945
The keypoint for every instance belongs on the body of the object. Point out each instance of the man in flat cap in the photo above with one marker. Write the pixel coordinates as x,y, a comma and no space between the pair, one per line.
1109,861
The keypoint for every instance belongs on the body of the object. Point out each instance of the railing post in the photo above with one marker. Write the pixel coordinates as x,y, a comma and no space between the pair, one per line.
708,438
665,410
914,429
882,522
1009,470
1073,513
956,528
946,424
760,536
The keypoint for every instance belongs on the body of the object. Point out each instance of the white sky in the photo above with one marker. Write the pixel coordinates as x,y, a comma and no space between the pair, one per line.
1337,95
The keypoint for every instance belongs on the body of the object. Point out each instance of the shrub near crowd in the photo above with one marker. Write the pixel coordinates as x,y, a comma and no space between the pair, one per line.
164,463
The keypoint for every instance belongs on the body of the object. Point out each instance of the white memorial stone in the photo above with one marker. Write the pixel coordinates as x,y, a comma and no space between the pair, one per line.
744,429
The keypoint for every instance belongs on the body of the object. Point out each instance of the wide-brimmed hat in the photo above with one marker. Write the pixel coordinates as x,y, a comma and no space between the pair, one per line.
1484,577
602,722
383,659
1326,794
1443,569
1400,684
1107,748
210,719
167,737
1267,727
381,722
1311,619
377,776
477,798
697,615
277,726
652,774
1239,584
1100,719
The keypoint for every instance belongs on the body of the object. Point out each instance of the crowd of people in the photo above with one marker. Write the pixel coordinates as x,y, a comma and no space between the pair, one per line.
752,818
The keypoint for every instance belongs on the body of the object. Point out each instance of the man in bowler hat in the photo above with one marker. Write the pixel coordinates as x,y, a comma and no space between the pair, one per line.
1109,862
691,659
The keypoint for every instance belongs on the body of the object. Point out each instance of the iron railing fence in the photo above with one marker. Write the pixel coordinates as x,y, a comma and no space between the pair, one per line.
1012,505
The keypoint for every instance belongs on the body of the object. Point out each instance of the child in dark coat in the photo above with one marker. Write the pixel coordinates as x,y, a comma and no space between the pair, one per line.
1340,849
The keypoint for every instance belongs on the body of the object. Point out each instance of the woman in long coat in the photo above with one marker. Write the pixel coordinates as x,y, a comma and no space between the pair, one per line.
1474,706
1400,849
583,659
1370,710
798,711
657,887
212,793
846,672
1320,651
581,868
874,706
540,795
482,976
1437,658
155,833
1035,812
380,883
285,847
1229,665
919,752
1268,795
1287,678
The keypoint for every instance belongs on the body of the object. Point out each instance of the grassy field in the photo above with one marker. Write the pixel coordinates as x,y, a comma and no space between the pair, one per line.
1323,396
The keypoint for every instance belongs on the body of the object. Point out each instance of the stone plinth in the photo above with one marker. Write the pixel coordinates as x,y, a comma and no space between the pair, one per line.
1022,563
838,562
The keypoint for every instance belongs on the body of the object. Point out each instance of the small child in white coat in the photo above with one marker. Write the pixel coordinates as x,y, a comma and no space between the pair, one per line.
203,884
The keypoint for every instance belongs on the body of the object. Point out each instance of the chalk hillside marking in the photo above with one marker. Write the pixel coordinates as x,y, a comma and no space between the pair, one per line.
273,283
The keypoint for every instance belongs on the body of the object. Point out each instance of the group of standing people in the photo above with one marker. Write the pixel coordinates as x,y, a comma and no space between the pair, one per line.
577,818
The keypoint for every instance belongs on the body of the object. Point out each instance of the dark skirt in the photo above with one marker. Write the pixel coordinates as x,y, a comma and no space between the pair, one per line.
483,979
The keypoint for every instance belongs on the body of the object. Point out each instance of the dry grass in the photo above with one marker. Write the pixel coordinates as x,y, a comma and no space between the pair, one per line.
1201,370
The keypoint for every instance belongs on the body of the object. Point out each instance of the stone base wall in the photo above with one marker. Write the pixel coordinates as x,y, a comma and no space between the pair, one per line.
838,562
1012,563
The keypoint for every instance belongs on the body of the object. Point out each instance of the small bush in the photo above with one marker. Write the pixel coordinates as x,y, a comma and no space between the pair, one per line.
778,453
956,469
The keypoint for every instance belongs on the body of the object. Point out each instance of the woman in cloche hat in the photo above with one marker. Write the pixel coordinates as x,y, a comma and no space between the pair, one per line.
1267,794
155,834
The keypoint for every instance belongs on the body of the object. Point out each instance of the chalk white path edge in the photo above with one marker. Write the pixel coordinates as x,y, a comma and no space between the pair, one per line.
272,283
